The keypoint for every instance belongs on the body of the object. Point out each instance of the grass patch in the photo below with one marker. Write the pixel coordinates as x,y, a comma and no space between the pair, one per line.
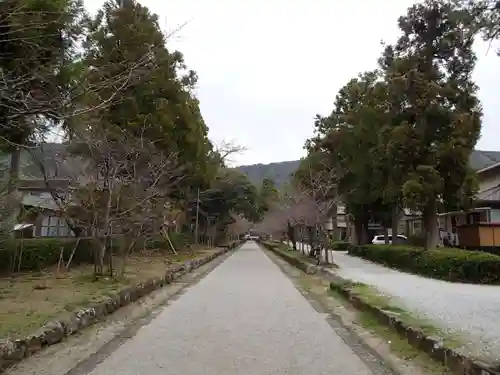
335,302
29,300
371,296
298,254
400,345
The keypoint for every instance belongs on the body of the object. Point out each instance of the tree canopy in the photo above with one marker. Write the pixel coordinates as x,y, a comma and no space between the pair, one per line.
126,103
401,135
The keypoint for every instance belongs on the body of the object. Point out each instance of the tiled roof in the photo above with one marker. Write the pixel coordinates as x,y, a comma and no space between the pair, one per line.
43,201
39,184
479,159
492,194
58,163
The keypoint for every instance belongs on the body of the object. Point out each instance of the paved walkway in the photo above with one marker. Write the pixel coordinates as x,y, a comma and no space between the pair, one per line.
246,317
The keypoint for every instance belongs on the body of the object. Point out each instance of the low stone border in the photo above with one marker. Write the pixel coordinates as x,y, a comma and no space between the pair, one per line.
301,264
455,361
13,351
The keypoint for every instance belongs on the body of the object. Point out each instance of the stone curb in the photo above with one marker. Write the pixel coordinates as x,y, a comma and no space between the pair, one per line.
304,266
13,351
458,363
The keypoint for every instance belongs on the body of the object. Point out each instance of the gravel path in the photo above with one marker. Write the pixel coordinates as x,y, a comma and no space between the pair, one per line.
472,311
246,317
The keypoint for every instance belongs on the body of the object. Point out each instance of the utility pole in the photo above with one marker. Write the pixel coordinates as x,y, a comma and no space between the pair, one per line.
197,214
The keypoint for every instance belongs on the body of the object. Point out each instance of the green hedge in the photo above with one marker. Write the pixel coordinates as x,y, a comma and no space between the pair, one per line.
287,255
416,240
340,245
179,240
443,263
38,253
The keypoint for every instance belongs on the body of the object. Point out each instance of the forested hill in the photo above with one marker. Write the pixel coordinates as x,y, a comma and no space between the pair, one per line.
280,172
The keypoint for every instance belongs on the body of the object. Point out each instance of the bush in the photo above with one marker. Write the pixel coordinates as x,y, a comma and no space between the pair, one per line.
180,241
416,240
38,253
157,243
282,250
444,263
340,245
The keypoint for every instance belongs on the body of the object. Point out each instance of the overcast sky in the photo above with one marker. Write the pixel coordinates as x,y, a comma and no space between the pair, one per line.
266,67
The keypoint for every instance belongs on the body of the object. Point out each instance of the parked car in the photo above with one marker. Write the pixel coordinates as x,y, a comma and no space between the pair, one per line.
251,237
380,239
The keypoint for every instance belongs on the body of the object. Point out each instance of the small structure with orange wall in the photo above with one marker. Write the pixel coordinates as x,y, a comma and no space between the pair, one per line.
480,236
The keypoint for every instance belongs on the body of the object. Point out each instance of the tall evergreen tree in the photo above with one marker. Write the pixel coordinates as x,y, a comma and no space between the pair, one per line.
268,193
156,99
37,44
429,70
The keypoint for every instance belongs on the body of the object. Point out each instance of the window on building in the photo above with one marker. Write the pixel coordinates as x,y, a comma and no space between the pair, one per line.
473,218
55,226
417,227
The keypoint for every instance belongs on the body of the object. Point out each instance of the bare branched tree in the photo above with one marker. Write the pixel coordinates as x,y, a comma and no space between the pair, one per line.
307,207
318,184
119,186
228,149
128,185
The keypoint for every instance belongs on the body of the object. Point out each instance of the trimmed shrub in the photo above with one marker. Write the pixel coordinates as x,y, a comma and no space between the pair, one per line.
179,240
444,263
281,249
340,245
7,254
34,254
416,240
158,243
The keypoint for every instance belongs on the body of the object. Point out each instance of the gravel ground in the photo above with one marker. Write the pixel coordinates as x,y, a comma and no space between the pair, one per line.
246,317
471,311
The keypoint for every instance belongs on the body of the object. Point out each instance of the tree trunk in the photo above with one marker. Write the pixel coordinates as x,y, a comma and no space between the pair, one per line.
291,235
326,242
110,257
125,252
106,226
429,219
386,236
73,252
310,238
395,217
358,228
13,189
14,170
361,229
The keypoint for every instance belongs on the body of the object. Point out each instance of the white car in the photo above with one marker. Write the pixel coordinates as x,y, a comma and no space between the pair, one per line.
380,239
251,237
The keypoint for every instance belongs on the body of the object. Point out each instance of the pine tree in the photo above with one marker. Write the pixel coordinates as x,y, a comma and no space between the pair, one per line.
37,44
155,99
429,71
